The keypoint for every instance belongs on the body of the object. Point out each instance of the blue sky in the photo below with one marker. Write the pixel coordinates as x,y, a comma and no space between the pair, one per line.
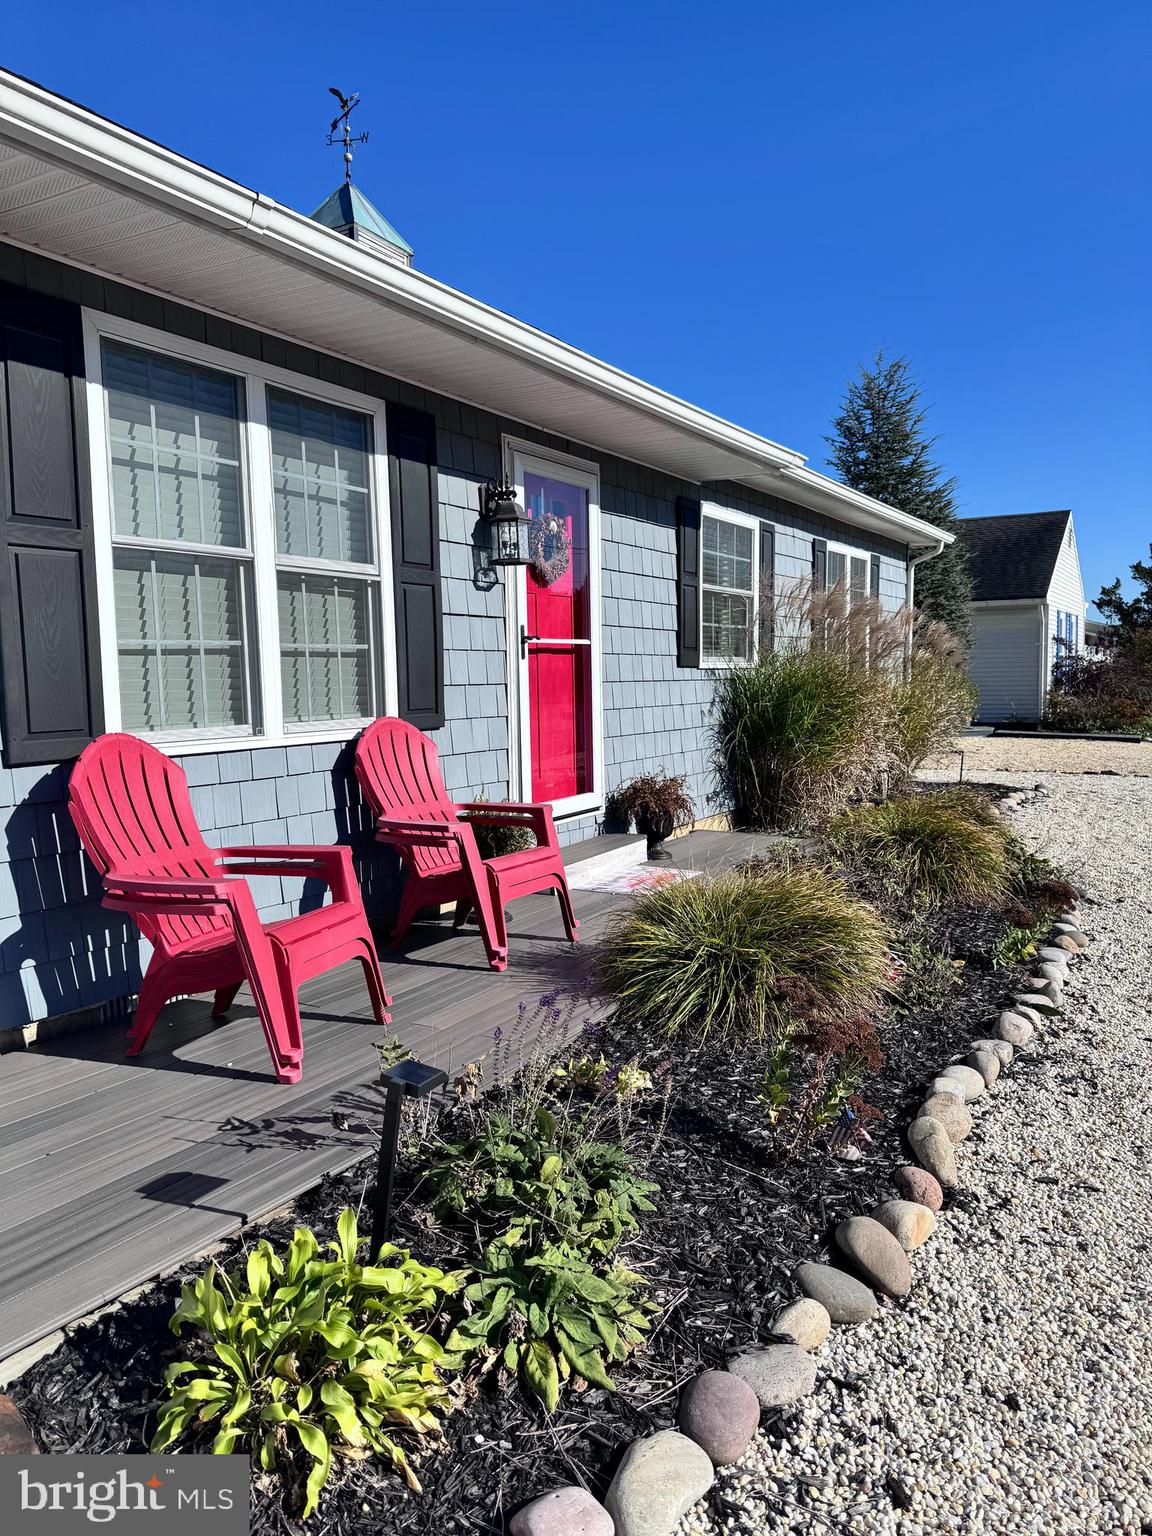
738,202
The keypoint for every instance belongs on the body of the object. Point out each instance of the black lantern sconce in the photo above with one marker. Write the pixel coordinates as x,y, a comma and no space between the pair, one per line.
406,1080
508,521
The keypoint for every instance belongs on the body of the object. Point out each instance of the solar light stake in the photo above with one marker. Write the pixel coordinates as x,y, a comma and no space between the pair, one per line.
406,1080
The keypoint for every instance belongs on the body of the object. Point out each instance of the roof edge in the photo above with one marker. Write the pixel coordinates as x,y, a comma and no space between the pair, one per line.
59,130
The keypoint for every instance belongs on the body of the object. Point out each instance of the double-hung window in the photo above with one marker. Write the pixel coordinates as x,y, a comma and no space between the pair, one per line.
848,573
181,545
247,546
729,572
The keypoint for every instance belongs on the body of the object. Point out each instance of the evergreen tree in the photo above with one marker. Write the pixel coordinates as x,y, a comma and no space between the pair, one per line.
879,447
1134,617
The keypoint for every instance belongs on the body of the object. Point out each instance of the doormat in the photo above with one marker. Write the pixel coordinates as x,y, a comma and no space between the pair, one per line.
627,882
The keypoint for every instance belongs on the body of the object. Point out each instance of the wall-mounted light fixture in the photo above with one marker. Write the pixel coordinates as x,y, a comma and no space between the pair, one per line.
508,521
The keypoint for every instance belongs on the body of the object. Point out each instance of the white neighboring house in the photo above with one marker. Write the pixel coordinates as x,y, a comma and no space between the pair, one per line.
1027,609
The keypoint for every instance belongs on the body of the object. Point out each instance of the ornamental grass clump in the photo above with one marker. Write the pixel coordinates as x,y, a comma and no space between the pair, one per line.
796,734
925,853
746,955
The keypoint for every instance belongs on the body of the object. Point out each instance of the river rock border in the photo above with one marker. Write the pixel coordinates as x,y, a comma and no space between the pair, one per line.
662,1476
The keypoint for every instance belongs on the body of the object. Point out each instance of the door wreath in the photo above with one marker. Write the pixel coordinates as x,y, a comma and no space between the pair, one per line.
549,548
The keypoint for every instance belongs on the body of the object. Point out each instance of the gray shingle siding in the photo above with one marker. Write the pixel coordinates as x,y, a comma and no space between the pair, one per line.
60,952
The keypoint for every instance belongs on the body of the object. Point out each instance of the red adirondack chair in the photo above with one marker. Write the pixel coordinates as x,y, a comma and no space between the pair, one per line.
399,772
192,903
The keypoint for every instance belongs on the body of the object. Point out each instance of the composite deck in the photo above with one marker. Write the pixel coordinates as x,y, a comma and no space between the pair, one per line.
113,1170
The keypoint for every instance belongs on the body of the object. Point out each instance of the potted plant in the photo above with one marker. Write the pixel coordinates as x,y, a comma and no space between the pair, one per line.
658,805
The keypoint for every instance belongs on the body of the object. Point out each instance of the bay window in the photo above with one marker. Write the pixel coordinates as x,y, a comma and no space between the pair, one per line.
244,542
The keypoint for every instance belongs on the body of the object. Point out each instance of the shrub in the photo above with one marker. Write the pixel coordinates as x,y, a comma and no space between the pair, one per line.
841,691
929,853
969,804
328,1352
741,955
1113,694
550,1181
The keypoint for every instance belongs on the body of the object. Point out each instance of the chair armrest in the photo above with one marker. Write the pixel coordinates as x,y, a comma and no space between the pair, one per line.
435,832
332,862
501,813
129,893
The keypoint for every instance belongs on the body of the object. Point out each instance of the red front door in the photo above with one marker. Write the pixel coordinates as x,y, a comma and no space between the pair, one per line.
559,640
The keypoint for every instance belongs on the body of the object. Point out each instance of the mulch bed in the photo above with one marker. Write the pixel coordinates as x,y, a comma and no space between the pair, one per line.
730,1226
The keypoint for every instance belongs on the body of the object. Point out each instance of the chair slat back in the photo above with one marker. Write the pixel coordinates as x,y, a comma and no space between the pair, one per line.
131,808
398,770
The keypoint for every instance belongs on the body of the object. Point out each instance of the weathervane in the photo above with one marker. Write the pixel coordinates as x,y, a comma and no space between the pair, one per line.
340,132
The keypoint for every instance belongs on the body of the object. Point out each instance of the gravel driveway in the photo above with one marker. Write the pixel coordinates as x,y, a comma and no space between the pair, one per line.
1012,1392
990,756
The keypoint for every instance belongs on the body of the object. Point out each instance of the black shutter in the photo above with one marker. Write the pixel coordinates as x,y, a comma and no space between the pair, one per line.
819,565
688,581
49,641
416,558
875,584
767,623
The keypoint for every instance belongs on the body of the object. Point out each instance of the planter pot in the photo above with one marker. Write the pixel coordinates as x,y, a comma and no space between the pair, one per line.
656,829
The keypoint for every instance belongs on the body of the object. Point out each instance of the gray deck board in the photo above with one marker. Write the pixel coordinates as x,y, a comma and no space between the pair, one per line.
115,1170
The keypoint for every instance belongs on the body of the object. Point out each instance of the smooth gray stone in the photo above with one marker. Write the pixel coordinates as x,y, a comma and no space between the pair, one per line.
987,1063
933,1149
909,1222
805,1322
876,1253
969,1079
1040,1002
1001,1048
951,1114
658,1480
1016,1029
779,1374
842,1295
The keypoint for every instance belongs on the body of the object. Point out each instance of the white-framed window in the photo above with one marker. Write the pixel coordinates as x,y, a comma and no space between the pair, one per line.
848,571
729,586
243,549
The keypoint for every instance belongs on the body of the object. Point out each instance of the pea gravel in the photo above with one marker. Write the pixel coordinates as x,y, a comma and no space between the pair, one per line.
1012,1391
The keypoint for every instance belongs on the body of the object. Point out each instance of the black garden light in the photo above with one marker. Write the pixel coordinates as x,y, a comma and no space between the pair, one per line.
508,521
406,1080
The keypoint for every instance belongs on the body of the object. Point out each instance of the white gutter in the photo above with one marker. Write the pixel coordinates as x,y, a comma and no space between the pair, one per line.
67,135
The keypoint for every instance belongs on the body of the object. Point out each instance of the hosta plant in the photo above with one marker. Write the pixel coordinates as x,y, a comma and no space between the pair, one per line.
310,1351
550,1315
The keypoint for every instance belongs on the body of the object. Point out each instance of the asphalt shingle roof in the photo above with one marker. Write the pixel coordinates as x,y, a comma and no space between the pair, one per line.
1014,556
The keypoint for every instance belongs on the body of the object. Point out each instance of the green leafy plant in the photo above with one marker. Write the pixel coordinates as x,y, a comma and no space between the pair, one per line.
547,1199
550,1181
813,1074
305,1352
744,955
927,853
550,1315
